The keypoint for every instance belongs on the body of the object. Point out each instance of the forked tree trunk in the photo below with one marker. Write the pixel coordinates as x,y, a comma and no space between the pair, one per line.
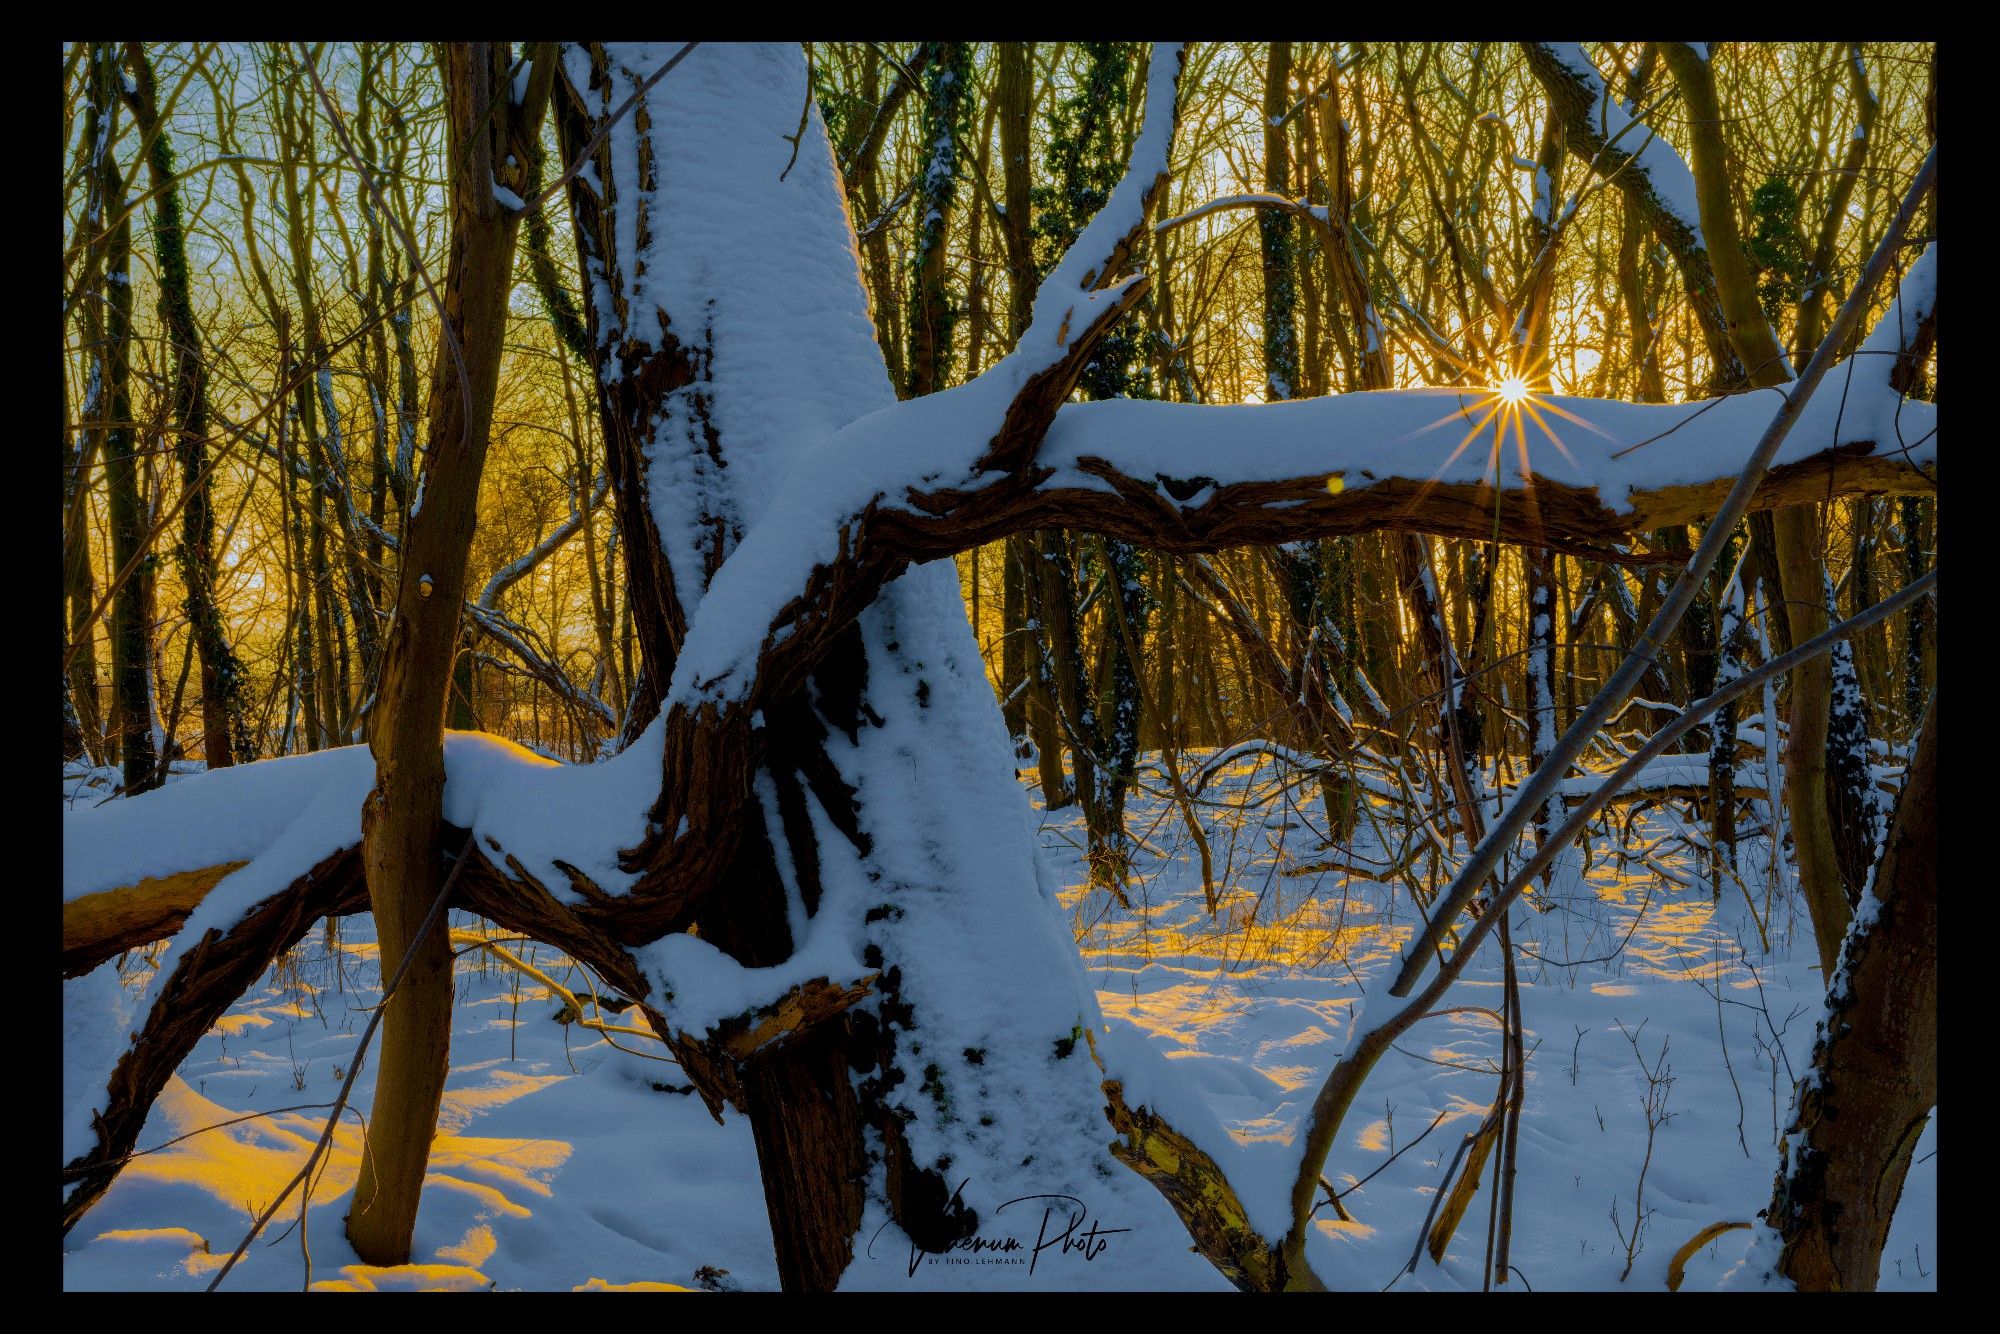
882,785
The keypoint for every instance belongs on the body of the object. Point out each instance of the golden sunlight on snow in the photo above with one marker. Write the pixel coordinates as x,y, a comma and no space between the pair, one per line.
190,1251
405,1278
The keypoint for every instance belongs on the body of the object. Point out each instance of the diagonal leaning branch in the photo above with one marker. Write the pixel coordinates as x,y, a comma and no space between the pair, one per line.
1337,1094
207,976
1654,181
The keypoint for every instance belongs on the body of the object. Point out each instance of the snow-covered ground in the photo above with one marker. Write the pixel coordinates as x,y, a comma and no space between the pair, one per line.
563,1163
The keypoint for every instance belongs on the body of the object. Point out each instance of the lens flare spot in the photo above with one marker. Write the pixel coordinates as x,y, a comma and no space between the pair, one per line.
1335,484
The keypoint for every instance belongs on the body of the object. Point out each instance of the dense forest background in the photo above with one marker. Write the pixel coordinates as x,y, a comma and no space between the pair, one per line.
225,588
411,385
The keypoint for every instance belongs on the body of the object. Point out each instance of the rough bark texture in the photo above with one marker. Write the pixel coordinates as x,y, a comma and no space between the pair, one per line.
1275,235
946,119
1874,1069
1197,1189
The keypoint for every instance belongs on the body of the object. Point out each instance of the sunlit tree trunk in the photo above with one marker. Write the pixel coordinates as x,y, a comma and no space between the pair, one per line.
401,818
1796,529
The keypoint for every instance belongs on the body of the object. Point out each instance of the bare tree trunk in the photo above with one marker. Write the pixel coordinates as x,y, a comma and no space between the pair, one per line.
1796,529
225,730
946,121
132,597
1814,850
490,135
1275,235
1873,1081
1541,678
1027,693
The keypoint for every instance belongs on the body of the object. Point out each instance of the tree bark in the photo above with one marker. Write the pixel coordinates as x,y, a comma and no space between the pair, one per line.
1013,98
401,818
1873,1081
1275,235
131,524
946,120
224,728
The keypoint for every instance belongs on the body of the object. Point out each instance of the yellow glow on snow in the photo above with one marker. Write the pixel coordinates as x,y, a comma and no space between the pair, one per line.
200,1257
405,1278
475,1250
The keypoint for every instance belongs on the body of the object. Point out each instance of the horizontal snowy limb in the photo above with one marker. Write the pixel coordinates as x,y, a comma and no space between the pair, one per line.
1428,460
134,870
910,483
1577,475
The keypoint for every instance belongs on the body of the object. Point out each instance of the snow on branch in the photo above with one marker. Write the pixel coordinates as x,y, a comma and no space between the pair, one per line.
1651,175
983,433
807,567
1312,213
1078,301
1107,241
1907,331
513,571
556,821
1579,475
1605,128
